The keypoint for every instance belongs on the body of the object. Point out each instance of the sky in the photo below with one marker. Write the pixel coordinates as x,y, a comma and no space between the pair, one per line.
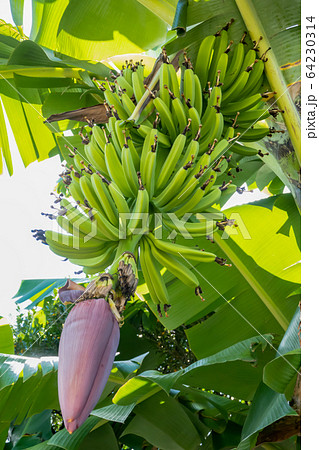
22,199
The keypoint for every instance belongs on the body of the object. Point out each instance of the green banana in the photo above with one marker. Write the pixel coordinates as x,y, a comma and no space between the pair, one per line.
254,77
127,73
105,227
148,176
113,135
96,261
166,116
129,169
138,86
107,203
80,221
237,87
163,140
242,105
115,169
182,251
191,203
250,58
164,80
173,81
93,270
215,133
229,133
141,207
220,167
127,103
134,153
209,123
173,186
76,192
154,272
203,60
235,64
171,160
180,113
66,245
96,157
77,162
67,226
173,265
203,228
221,68
253,134
208,200
118,197
198,96
243,149
120,134
193,114
190,153
203,162
148,142
112,99
99,136
89,194
147,276
220,46
140,70
189,86
254,115
213,101
125,85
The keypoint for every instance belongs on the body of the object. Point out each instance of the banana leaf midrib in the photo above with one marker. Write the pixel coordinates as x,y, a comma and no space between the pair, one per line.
256,286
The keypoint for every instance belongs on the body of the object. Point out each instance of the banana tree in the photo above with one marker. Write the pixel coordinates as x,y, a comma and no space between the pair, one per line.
239,333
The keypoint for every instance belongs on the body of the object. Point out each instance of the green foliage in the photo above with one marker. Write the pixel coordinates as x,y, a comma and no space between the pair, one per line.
38,331
165,402
280,373
28,386
37,290
6,337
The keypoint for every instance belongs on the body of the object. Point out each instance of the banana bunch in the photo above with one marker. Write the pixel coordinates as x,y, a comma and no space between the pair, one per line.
218,96
159,172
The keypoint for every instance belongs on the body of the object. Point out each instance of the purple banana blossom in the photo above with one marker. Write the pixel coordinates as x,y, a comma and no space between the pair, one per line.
88,345
70,292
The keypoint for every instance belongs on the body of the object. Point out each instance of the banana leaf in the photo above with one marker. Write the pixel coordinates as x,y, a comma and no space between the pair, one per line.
6,337
282,370
224,371
98,30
